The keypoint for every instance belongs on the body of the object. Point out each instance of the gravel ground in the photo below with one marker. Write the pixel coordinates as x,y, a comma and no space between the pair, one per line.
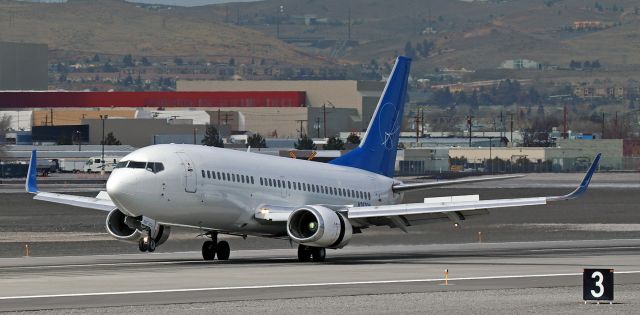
561,300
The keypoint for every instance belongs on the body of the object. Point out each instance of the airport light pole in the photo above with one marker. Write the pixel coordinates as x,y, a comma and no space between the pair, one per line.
78,133
103,118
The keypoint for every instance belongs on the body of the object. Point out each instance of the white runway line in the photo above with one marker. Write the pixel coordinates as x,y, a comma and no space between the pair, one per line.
295,285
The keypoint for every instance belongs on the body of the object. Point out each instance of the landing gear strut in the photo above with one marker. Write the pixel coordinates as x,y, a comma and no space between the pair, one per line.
147,244
212,248
308,253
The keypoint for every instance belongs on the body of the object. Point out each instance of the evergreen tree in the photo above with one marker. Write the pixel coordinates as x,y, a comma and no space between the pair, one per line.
96,58
353,139
334,143
473,100
408,50
127,61
305,143
145,61
212,137
256,141
110,139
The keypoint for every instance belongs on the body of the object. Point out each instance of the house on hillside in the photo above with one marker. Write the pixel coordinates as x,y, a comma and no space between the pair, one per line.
518,64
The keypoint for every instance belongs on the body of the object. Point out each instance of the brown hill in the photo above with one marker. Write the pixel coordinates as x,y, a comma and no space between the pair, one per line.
118,28
476,34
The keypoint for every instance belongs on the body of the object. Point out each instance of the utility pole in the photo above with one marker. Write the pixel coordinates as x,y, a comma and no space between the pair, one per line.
511,139
564,124
616,134
79,140
417,122
218,117
490,157
602,136
469,118
194,135
317,125
349,25
301,121
103,118
51,109
324,119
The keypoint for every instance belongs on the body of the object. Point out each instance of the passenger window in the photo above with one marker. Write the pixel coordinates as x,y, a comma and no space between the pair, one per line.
224,176
270,182
289,184
261,181
213,174
208,174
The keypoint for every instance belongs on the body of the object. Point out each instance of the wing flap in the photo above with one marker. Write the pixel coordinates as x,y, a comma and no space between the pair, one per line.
77,201
419,186
422,208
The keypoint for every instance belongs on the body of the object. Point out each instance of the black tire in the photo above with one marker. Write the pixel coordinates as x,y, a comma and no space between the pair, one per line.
318,254
208,250
152,246
223,250
304,253
142,245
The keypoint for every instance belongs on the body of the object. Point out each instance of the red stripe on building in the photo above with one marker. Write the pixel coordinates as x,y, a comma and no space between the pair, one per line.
51,99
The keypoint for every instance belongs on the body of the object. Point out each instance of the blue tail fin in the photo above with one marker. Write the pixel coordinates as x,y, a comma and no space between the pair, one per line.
377,151
31,184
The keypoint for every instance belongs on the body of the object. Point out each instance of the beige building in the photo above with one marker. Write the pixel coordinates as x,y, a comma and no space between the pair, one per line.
349,105
568,155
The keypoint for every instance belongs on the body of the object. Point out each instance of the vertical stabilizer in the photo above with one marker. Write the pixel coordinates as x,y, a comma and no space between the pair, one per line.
377,151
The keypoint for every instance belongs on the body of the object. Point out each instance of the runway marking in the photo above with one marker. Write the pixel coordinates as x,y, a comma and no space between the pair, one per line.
294,285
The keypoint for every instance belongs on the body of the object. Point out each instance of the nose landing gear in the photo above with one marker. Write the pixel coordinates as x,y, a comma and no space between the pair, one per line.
213,248
147,244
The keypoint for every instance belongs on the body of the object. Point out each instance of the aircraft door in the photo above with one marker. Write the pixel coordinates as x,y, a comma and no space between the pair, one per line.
190,173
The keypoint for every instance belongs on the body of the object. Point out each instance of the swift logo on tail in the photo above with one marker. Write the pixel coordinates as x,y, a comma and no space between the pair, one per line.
388,135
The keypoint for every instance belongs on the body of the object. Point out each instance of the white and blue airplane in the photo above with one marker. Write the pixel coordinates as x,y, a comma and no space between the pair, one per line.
316,205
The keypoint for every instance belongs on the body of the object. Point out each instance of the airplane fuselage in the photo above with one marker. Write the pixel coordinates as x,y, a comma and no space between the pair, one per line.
222,189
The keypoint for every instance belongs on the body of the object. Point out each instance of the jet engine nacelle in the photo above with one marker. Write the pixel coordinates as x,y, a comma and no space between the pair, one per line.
132,229
319,226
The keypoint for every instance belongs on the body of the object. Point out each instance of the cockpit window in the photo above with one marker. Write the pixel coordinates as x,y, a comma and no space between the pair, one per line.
154,167
134,164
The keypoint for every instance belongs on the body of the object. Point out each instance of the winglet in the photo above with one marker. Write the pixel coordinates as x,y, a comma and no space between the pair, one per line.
31,185
583,185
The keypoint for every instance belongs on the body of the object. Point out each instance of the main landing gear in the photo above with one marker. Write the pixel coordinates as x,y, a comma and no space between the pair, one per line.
213,248
308,253
147,244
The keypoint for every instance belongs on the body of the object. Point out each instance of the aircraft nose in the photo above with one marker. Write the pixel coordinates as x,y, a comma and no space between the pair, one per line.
121,189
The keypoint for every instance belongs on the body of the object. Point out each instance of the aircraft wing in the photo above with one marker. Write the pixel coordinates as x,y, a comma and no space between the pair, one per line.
100,202
455,207
419,186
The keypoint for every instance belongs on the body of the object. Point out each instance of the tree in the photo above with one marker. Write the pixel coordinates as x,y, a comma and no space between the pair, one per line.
212,137
256,141
5,123
408,50
353,138
110,139
96,58
232,61
334,143
178,61
127,61
305,143
145,61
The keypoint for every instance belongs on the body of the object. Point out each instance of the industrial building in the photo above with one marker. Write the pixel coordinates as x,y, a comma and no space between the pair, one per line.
23,66
330,106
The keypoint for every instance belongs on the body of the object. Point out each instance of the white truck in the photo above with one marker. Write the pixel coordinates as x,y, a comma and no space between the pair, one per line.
94,164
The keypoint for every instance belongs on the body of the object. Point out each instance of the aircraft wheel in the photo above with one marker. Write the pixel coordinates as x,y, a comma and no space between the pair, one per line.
143,244
318,254
304,253
223,250
208,250
152,246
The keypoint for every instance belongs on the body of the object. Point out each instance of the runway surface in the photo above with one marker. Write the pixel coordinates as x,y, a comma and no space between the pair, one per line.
392,273
529,261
